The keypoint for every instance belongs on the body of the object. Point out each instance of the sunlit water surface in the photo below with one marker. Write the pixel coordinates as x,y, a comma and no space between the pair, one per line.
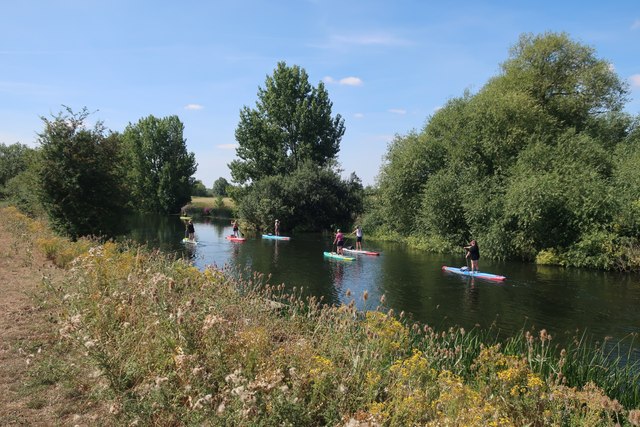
560,300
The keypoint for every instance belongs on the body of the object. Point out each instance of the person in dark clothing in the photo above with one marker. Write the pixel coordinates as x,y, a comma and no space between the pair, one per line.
473,253
191,230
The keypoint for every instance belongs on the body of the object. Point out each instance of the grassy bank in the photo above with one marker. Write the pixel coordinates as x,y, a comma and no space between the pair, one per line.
171,345
219,207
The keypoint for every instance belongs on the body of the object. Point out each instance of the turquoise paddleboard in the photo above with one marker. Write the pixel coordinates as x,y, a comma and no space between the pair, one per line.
338,256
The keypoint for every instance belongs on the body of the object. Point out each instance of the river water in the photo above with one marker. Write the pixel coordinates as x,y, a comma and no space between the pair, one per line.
560,300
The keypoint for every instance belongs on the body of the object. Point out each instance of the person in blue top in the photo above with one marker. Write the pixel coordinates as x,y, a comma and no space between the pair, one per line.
473,253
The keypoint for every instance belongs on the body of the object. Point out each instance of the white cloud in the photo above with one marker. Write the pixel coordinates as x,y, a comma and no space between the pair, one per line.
635,81
193,107
358,115
369,40
346,81
351,81
636,24
227,146
397,111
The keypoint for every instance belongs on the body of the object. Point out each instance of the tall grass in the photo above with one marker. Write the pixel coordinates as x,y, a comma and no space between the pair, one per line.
177,346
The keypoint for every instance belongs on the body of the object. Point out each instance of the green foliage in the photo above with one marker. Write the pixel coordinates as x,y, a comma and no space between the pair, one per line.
564,77
408,164
14,159
80,175
22,185
291,125
198,189
311,198
442,212
220,186
159,168
540,159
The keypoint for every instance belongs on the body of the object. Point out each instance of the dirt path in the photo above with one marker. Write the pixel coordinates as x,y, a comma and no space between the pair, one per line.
31,392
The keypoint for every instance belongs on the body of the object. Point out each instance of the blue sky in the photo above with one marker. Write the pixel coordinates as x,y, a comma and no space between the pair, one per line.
388,65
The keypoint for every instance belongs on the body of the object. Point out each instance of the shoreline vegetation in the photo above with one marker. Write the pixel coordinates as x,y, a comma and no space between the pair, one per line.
216,207
152,340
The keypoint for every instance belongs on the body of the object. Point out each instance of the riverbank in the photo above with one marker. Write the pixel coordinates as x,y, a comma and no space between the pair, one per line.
167,344
36,386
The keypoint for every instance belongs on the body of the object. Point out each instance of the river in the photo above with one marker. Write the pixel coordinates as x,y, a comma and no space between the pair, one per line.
562,301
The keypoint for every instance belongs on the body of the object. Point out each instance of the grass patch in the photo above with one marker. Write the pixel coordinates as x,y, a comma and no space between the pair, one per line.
222,207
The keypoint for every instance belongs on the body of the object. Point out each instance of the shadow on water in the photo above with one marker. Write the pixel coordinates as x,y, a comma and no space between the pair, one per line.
562,301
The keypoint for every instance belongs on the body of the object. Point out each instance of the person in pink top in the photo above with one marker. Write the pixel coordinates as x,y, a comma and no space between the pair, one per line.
339,241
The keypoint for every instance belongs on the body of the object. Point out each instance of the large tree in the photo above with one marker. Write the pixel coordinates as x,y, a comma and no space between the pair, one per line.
81,176
564,77
220,187
160,167
290,125
526,165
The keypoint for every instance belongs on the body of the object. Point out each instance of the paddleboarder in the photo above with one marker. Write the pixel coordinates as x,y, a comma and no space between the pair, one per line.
191,230
473,253
339,241
276,228
235,228
359,234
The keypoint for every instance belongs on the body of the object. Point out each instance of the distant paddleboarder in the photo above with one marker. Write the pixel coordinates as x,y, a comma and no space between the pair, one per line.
191,230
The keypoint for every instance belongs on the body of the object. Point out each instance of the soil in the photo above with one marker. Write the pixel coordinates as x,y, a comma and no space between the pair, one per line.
35,389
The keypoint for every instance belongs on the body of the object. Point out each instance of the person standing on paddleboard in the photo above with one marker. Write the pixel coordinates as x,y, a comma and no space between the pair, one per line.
276,228
235,228
191,230
339,241
473,253
359,234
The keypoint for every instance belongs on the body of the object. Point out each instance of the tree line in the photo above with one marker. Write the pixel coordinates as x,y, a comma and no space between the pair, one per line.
85,179
541,164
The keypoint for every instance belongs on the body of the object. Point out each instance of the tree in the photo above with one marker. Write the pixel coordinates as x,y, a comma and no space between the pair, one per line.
220,187
14,159
23,189
310,198
159,167
199,189
542,158
409,162
81,176
564,77
291,125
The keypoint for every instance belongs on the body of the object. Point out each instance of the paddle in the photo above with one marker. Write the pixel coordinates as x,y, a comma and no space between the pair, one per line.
466,260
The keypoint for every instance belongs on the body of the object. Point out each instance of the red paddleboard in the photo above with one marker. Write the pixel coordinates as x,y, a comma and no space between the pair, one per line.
235,239
355,251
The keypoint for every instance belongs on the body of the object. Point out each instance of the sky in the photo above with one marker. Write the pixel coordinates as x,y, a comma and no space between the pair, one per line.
388,65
